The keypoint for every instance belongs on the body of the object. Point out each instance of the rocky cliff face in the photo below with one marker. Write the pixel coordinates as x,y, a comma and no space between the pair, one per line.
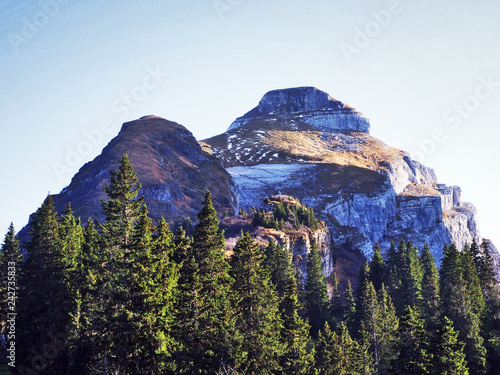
309,105
295,143
173,169
296,241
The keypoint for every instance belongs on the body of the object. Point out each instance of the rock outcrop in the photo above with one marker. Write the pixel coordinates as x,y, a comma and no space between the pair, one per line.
309,105
365,191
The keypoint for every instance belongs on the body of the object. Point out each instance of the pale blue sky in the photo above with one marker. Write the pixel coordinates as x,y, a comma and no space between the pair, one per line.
426,69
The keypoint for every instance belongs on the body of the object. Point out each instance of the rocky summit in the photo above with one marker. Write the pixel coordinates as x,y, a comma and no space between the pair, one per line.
304,143
173,170
308,105
296,142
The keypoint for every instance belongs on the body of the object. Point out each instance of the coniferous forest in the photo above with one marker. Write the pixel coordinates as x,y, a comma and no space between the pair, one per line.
129,296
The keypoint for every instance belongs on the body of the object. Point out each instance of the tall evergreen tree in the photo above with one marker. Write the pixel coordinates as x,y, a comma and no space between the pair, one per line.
296,358
455,273
114,284
490,287
256,309
413,346
338,354
387,331
122,206
350,309
212,324
377,324
410,276
431,301
44,294
472,283
449,357
10,270
377,268
278,262
316,293
336,305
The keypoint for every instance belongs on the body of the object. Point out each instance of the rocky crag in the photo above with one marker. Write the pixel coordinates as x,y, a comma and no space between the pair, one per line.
304,143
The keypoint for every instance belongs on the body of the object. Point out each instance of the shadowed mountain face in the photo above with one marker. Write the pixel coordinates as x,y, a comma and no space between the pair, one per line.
173,169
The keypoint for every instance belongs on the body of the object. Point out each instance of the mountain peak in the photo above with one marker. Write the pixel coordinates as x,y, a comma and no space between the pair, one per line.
309,105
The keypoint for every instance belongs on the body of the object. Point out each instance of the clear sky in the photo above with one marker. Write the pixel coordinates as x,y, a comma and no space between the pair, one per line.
426,73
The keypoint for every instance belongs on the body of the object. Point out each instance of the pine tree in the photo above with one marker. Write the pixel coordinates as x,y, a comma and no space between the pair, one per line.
449,357
409,274
256,309
296,358
336,306
472,283
490,287
377,268
316,293
413,346
431,301
387,331
211,325
350,309
110,317
329,355
338,354
152,279
278,263
85,334
377,324
121,208
44,298
10,269
454,274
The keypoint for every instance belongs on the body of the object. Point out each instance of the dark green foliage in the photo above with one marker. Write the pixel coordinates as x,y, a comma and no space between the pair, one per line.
377,324
461,305
207,330
121,207
431,300
256,309
449,357
338,354
350,309
10,269
336,305
317,304
45,300
377,268
278,262
491,290
386,332
292,212
413,346
296,357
